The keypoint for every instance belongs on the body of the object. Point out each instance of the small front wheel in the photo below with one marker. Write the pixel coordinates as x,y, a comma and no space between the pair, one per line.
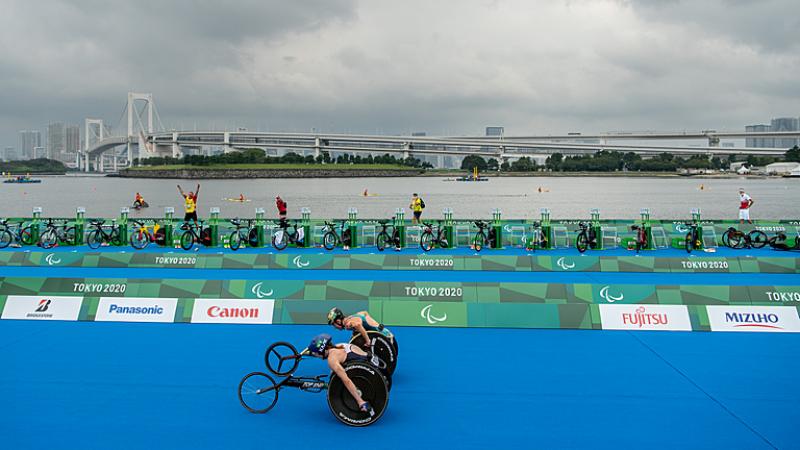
383,241
280,240
48,239
187,240
479,241
69,236
94,239
689,242
329,240
258,392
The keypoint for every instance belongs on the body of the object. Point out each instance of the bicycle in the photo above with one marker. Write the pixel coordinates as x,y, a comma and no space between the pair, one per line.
384,240
733,238
481,238
587,237
258,391
692,241
20,233
98,235
191,235
282,238
243,233
641,237
428,240
537,239
778,242
330,239
53,234
141,236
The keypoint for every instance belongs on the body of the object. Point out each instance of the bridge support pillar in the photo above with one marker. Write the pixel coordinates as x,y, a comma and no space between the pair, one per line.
86,162
101,164
317,143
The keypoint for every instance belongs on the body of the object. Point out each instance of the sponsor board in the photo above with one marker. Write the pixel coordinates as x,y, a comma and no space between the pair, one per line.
645,317
41,307
753,318
114,309
232,311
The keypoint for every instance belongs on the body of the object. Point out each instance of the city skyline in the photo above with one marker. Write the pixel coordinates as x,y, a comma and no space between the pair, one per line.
355,66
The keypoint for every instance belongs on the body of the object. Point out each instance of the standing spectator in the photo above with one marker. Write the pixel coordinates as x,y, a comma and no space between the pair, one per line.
745,202
281,205
417,205
190,204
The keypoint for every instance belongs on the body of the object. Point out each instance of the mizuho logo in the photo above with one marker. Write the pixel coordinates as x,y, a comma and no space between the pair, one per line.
52,260
607,296
300,263
426,314
564,264
256,290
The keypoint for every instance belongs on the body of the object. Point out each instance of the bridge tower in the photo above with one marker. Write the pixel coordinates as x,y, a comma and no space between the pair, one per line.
94,131
136,129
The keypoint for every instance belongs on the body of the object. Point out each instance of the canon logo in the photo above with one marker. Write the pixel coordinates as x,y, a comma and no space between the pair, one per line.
246,313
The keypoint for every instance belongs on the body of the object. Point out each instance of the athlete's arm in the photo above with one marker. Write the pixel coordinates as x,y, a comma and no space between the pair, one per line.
337,368
362,331
181,191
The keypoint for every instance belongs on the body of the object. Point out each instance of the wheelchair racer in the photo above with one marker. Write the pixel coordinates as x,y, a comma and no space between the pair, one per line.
360,322
322,347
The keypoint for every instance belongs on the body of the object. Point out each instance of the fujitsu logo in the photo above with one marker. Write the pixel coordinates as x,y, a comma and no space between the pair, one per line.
641,317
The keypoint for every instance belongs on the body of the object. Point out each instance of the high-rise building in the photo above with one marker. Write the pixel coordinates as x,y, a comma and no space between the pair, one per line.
9,154
758,141
785,124
72,134
28,140
55,140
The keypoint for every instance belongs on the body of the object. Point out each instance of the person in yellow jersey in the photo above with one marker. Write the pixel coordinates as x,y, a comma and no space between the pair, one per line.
190,204
417,205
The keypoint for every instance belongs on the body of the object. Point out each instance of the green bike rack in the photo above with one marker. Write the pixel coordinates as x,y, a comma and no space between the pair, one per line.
213,224
547,229
648,228
598,231
305,223
260,224
400,224
37,218
498,229
80,225
448,227
352,223
123,226
169,226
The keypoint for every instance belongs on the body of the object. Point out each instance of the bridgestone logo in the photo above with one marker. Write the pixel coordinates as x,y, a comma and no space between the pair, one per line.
783,296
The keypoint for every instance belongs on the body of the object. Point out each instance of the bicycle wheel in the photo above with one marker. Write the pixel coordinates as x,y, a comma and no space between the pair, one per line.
758,238
426,241
69,236
5,238
258,392
737,240
94,239
329,240
479,241
383,241
235,240
116,237
140,239
187,240
280,240
689,243
48,239
726,238
582,242
25,235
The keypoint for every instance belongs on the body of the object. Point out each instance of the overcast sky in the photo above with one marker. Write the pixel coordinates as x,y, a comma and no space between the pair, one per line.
374,66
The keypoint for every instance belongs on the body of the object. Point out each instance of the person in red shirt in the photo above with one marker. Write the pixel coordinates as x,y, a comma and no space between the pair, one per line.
281,205
745,202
